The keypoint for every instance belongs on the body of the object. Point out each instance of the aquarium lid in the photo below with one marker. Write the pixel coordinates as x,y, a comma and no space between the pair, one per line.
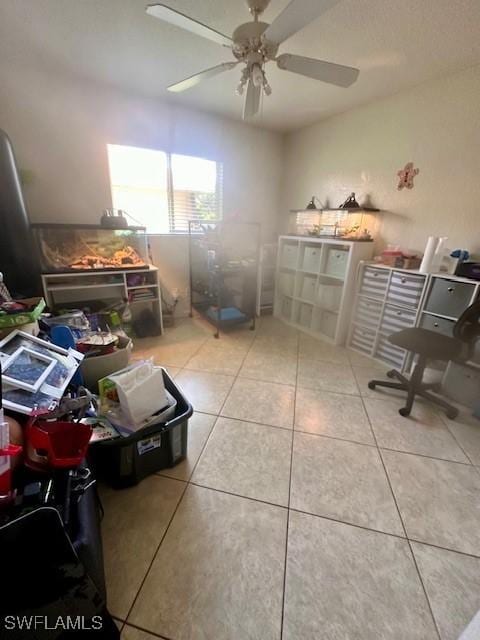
61,225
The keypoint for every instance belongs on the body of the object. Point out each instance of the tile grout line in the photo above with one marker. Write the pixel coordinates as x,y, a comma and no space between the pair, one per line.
460,446
157,549
147,631
187,484
399,514
284,590
338,438
289,509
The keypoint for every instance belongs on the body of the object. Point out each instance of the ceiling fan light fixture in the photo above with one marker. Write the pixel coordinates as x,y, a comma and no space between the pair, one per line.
258,77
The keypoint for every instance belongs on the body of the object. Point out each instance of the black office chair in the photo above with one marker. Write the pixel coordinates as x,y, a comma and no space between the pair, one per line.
429,345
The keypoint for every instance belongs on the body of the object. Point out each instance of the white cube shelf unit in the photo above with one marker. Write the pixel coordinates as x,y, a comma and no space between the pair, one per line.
63,289
315,283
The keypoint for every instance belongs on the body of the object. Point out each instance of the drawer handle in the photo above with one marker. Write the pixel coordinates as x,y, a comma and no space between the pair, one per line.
435,324
450,289
399,313
375,275
403,280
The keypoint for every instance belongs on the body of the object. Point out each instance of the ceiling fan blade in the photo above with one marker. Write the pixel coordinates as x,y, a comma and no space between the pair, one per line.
252,100
329,72
190,82
178,19
294,17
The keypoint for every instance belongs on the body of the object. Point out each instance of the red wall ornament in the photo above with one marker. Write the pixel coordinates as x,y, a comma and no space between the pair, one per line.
407,175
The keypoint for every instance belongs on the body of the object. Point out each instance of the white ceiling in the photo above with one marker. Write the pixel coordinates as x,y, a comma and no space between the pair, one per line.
395,43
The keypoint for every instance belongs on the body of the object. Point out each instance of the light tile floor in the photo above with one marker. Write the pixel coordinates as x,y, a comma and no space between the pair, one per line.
307,507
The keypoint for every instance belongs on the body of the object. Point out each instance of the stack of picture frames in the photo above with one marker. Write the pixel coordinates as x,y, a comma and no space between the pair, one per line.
35,373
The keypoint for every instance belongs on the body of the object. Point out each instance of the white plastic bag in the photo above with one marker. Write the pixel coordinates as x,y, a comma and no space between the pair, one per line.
141,391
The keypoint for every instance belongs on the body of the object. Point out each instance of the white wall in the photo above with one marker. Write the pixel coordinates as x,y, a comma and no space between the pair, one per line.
60,127
435,125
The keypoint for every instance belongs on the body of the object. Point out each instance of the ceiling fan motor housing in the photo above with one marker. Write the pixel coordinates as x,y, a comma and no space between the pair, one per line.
247,39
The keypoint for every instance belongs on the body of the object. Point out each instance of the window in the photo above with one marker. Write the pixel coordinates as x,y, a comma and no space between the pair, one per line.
164,191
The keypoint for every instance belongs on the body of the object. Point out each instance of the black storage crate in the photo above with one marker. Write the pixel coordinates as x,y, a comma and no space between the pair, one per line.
125,461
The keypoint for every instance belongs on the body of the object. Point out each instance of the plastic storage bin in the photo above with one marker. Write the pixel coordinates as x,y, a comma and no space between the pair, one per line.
289,255
311,258
286,283
337,260
125,461
308,288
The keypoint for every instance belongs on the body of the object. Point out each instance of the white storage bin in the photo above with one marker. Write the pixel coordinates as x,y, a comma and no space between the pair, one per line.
329,296
337,260
289,255
311,258
305,315
329,324
286,283
308,288
286,308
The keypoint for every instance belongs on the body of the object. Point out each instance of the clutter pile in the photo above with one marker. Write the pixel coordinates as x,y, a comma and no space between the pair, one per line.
71,401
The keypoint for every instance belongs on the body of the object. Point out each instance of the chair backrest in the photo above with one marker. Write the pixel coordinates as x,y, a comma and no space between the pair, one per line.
467,327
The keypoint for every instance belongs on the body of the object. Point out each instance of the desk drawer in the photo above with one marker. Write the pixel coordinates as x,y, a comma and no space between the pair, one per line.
374,282
440,325
368,313
395,319
362,340
390,353
449,297
405,289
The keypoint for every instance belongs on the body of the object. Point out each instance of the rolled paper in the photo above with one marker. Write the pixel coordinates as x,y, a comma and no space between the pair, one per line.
429,254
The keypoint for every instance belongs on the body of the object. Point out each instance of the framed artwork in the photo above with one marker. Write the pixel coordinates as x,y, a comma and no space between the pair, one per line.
27,369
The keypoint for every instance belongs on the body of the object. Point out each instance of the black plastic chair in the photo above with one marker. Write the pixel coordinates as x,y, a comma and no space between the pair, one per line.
429,345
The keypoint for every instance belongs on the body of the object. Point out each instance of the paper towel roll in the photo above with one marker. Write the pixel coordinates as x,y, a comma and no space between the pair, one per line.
441,251
427,261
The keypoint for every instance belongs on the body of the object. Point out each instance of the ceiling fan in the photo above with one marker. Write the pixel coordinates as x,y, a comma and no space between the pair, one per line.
255,43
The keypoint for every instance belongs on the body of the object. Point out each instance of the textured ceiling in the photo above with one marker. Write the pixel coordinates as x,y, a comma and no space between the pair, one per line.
396,44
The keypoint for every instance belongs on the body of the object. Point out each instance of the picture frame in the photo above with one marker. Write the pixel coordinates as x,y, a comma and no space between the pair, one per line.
30,374
66,363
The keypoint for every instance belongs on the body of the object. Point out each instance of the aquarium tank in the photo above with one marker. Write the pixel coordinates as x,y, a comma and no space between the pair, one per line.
67,247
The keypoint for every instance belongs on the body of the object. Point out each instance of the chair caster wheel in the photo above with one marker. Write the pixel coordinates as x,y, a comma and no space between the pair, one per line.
451,415
391,374
371,385
404,412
